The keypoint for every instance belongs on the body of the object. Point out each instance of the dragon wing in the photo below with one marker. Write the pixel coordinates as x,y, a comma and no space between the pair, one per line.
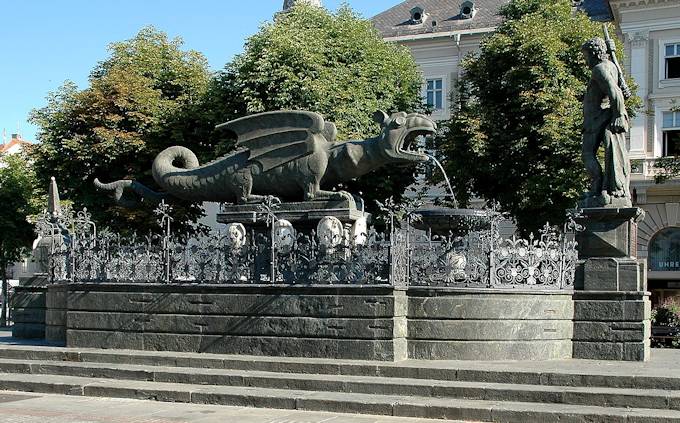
276,138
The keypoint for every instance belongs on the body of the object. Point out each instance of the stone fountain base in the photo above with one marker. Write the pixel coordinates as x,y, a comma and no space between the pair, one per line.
343,322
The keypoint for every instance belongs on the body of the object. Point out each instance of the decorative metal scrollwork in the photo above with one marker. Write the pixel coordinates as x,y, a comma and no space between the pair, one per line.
334,254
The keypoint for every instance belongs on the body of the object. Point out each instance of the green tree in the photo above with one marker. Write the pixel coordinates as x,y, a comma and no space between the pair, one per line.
520,115
17,196
146,96
335,64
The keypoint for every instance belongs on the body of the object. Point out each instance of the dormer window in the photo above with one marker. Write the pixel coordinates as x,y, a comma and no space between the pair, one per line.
417,15
467,10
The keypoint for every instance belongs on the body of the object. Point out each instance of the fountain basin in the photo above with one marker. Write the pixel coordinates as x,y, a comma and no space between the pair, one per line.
457,222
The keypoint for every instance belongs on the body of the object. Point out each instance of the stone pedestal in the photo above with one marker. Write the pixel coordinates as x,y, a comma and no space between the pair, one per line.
608,232
614,274
612,325
612,310
28,312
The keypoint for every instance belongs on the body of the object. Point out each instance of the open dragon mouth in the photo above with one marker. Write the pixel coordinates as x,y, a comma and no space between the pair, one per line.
410,147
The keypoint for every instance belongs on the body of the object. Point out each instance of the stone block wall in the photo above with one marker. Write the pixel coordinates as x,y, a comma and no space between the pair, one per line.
29,308
55,316
612,325
370,323
612,311
489,325
343,322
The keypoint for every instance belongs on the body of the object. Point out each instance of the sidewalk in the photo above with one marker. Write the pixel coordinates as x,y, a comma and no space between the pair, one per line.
6,339
44,408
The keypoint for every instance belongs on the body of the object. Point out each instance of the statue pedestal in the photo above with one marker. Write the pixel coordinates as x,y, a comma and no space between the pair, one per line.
608,251
609,232
612,310
303,215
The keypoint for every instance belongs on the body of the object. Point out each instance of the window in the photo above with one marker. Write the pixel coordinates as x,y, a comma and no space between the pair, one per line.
671,134
664,250
672,55
435,93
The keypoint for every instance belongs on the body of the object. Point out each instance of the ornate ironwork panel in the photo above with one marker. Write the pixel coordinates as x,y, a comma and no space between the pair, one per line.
448,260
74,250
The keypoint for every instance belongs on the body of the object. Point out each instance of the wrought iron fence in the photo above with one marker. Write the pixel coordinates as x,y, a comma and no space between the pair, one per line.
75,251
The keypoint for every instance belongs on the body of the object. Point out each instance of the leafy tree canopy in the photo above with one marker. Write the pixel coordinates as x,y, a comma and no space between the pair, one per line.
335,64
18,199
146,96
520,115
150,94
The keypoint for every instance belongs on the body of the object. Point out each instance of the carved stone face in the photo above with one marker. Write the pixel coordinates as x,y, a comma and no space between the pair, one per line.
236,236
284,236
330,232
455,264
359,233
399,134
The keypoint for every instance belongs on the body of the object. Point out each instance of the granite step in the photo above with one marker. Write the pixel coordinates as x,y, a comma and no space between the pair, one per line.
393,405
573,373
595,396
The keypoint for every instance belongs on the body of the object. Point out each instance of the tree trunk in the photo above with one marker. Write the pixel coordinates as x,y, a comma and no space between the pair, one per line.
3,318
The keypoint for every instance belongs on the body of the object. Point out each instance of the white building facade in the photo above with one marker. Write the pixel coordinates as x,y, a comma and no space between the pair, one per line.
440,34
651,33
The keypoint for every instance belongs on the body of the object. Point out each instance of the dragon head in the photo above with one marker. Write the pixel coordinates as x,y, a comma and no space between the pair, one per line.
399,133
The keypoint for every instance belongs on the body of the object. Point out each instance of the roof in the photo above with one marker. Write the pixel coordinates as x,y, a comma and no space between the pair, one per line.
446,16
15,142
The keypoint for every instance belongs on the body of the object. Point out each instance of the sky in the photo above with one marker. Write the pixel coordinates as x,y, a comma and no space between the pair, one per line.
46,42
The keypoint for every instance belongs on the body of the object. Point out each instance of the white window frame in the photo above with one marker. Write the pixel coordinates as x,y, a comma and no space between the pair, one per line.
426,91
675,127
663,81
673,56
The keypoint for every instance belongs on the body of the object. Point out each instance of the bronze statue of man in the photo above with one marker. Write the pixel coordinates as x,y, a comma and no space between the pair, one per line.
605,124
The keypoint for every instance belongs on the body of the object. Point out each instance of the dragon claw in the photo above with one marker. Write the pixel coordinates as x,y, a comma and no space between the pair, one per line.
344,195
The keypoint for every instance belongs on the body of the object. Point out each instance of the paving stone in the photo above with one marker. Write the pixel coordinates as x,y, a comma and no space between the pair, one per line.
46,408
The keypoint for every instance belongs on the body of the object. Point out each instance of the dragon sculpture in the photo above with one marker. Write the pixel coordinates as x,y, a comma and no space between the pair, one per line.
289,155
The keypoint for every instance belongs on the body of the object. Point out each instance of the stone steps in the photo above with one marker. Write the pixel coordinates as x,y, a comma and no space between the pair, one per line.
392,405
595,396
584,373
579,391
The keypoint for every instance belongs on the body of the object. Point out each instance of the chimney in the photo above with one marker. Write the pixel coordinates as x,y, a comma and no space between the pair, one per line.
16,136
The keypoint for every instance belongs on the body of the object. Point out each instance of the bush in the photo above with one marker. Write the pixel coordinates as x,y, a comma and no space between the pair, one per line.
667,316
